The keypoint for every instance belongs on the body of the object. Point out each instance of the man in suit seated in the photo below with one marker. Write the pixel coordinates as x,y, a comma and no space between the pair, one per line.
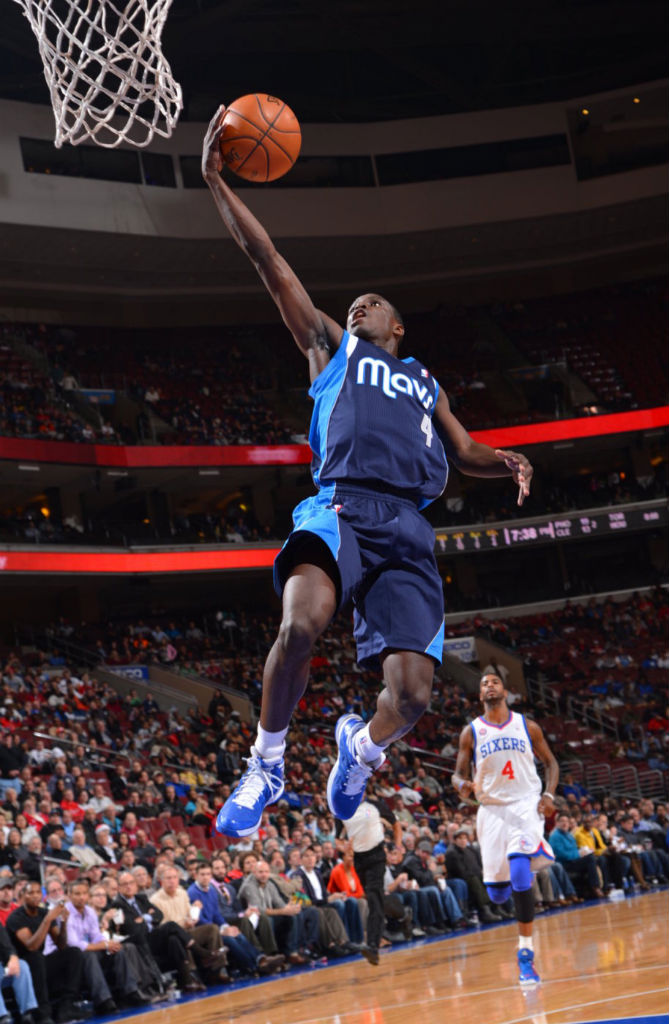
167,943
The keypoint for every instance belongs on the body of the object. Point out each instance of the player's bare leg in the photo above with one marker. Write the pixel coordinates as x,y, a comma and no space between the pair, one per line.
309,602
408,679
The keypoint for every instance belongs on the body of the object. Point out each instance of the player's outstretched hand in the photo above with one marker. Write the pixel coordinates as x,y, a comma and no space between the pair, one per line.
212,160
521,471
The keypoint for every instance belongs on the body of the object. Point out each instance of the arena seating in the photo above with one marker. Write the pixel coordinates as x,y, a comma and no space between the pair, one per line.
218,386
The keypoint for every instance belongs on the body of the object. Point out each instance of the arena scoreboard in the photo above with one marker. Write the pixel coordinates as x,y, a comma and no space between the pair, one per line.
568,526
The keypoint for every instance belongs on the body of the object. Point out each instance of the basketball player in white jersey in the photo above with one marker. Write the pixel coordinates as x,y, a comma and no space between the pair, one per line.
503,746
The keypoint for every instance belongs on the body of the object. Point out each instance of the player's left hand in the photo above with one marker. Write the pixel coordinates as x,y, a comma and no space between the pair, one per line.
545,806
212,160
521,471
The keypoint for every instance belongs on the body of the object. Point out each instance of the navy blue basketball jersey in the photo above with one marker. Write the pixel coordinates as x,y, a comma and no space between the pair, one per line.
372,422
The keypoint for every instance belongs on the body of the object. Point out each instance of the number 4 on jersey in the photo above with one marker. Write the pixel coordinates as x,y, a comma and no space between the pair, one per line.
426,427
508,771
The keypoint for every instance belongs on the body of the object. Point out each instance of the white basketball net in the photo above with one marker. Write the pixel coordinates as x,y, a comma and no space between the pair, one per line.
107,75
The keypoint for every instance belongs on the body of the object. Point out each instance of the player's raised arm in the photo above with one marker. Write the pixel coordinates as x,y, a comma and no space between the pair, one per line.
461,778
546,756
316,334
475,459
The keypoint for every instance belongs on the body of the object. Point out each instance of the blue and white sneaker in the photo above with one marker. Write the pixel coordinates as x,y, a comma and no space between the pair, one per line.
527,974
348,777
261,784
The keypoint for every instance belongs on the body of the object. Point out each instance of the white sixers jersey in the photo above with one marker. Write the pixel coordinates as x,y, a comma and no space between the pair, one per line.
504,761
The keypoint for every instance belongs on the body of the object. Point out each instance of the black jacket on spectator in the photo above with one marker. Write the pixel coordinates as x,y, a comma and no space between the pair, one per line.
463,863
6,948
229,903
413,866
308,888
30,866
8,762
137,931
7,858
325,868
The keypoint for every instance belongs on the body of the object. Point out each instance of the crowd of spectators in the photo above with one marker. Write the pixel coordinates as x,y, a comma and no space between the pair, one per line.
96,850
34,406
595,333
39,524
464,502
106,814
610,655
219,386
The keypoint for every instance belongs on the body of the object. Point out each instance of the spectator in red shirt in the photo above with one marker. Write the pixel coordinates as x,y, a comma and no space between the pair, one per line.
7,901
68,803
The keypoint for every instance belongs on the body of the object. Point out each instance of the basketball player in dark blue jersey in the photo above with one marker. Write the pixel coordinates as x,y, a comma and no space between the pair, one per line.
381,433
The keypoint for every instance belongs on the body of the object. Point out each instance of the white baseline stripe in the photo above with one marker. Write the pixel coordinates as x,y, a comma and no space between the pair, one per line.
508,988
593,1002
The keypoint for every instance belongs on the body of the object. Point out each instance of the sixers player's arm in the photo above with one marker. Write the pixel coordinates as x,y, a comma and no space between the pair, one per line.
317,335
462,776
475,459
552,770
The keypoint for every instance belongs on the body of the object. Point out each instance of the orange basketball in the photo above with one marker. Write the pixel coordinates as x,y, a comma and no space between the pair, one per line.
261,137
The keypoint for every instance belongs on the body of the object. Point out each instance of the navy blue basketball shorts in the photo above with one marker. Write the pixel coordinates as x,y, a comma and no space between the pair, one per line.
384,551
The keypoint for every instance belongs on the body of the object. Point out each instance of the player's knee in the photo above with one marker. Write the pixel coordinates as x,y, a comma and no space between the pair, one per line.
412,699
499,892
297,635
520,871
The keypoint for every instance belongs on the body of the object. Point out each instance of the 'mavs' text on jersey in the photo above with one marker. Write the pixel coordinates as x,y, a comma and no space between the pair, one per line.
392,384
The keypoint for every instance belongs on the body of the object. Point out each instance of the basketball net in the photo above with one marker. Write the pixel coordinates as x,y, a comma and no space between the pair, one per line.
108,78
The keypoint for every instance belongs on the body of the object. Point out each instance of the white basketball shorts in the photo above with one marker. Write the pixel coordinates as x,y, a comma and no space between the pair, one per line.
505,829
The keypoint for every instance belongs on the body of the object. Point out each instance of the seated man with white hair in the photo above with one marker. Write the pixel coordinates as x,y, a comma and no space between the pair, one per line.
82,852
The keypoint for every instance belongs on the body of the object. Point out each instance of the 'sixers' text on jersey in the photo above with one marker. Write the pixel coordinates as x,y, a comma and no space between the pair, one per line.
505,769
372,421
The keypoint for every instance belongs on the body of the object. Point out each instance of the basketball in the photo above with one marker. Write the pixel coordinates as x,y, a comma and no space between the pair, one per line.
261,137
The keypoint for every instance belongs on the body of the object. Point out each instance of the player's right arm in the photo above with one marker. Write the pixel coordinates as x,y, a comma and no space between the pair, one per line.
461,778
317,335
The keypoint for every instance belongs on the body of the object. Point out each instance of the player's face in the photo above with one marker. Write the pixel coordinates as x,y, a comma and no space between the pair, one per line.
492,690
370,317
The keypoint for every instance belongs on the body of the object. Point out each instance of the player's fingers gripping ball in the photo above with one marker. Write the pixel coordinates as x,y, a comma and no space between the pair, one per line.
260,138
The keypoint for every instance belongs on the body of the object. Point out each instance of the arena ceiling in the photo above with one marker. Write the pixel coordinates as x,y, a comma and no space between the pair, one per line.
366,60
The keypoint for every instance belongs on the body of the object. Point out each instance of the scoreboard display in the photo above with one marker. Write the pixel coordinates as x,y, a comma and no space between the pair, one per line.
549,529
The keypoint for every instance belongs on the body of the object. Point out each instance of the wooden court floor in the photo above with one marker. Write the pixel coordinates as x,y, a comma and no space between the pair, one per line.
602,962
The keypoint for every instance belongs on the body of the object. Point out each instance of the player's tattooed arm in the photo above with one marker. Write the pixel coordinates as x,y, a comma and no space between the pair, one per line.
475,459
316,335
461,778
552,769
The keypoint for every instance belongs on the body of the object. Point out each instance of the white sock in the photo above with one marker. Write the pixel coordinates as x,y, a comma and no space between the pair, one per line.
525,942
270,745
365,748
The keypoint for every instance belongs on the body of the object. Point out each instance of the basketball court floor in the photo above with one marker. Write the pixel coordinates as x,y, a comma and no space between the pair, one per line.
601,963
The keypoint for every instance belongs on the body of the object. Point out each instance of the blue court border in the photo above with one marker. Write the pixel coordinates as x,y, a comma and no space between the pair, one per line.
662,1018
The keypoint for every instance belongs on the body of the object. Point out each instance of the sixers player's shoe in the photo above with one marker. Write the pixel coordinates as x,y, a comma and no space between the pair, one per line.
527,974
348,777
260,785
